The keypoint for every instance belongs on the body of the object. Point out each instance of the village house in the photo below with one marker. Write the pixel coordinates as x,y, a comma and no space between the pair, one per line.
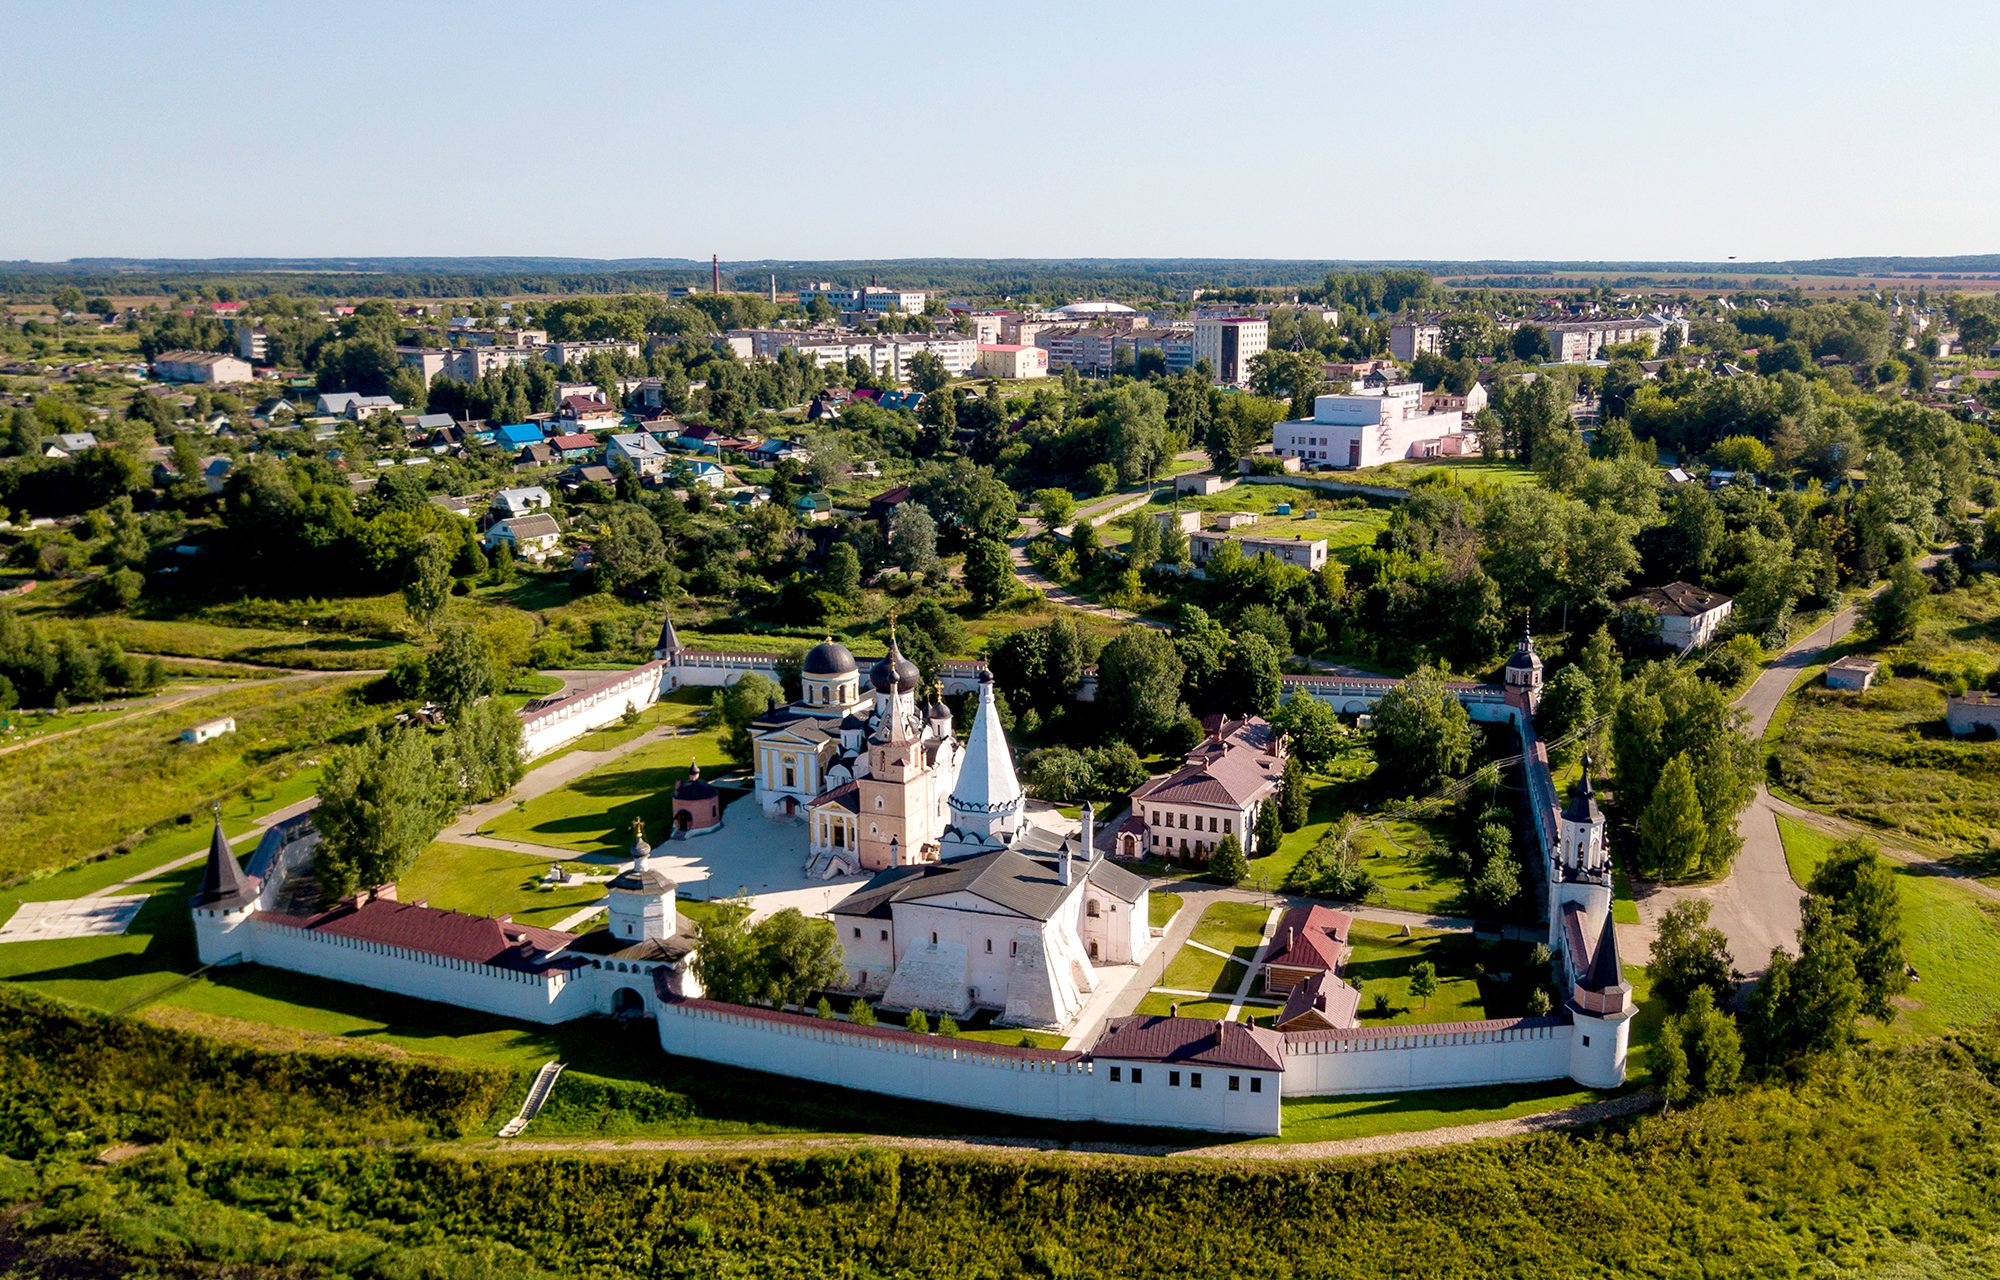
521,502
647,455
529,537
1689,615
1307,553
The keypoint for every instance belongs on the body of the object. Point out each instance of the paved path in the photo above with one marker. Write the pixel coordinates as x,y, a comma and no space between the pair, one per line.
1264,940
1757,905
1378,1144
258,826
539,781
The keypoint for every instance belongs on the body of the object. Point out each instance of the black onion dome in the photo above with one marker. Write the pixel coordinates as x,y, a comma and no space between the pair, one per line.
829,659
895,672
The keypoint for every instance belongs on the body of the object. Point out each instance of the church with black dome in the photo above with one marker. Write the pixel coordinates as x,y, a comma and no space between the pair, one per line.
867,763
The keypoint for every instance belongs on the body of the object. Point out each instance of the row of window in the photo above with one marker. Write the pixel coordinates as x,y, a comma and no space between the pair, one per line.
1162,819
1194,1080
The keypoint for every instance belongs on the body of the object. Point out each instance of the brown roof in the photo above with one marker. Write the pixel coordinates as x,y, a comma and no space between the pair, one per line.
1314,937
414,927
1196,1042
1233,770
1322,999
1427,1029
1680,599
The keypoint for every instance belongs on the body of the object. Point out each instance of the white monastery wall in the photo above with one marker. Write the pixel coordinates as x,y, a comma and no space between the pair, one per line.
547,728
1434,1058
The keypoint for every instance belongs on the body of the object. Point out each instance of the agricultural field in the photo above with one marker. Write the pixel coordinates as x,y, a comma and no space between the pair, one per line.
1884,757
78,797
1951,937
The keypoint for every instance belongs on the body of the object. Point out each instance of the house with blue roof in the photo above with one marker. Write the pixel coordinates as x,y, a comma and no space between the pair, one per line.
517,435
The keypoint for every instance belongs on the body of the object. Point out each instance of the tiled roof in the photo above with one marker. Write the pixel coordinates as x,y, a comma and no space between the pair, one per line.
1322,995
474,939
1195,1042
1680,599
1314,937
1233,771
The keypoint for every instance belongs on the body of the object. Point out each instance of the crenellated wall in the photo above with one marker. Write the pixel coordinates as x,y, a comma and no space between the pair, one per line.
1433,1056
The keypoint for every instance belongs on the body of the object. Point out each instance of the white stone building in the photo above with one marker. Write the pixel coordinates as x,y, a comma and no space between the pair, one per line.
1229,344
1182,816
1369,427
1689,615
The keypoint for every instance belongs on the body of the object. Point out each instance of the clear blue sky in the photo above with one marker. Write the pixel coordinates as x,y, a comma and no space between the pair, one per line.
841,130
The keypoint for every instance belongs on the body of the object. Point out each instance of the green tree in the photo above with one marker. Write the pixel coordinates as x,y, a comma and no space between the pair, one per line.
1227,864
1294,795
1672,829
1701,1052
380,802
460,671
1806,1007
1312,730
1569,704
734,706
989,573
1689,955
1860,890
1424,981
913,541
842,573
1421,734
1497,882
427,582
486,742
1670,711
795,956
861,1013
1059,774
947,1026
917,1022
1056,505
725,958
1897,611
629,549
1257,676
1270,827
1742,453
1139,684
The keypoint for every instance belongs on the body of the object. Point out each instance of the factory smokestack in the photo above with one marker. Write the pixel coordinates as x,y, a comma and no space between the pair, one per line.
715,273
774,288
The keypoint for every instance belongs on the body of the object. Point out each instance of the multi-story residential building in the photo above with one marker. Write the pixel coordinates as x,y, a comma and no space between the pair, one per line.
1177,345
1306,553
578,351
464,364
211,367
1229,344
888,354
1409,339
1574,341
1367,428
252,343
1012,360
1086,350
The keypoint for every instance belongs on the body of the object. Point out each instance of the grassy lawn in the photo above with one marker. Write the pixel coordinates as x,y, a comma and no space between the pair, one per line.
1408,856
75,798
1161,1003
681,707
260,646
1165,906
492,882
1381,961
1365,1115
1346,529
1950,935
1884,757
594,813
1500,472
1196,970
1232,926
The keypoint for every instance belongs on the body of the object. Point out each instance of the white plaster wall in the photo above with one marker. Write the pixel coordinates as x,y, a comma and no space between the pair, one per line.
570,720
1446,1060
530,997
1155,1100
958,1073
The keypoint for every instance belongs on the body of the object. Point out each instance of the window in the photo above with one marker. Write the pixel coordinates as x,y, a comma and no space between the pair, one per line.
1184,822
934,937
1256,1085
885,935
1236,1084
1173,1079
1114,1075
857,931
1194,1080
989,946
1090,907
1586,1042
1138,1075
1226,824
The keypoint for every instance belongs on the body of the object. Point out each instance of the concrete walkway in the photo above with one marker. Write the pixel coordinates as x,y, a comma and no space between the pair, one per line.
1264,940
258,826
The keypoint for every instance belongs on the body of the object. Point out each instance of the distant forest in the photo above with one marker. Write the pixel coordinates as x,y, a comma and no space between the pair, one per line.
1024,278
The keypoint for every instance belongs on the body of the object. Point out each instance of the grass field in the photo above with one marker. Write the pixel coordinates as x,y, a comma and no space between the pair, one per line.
77,797
1884,757
1163,907
1346,529
594,813
1363,1116
492,882
1951,936
1381,960
260,646
1499,472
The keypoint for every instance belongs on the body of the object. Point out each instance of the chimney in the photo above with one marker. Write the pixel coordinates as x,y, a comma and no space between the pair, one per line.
1291,937
715,272
1089,833
774,288
1062,866
1174,1009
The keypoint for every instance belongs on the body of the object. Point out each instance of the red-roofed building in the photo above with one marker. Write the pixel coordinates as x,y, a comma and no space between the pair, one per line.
1184,815
1310,940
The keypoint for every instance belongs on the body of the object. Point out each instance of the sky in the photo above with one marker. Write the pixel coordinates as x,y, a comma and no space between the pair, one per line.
1423,129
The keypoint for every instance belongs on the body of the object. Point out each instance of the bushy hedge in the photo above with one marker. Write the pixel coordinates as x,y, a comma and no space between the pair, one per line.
75,1080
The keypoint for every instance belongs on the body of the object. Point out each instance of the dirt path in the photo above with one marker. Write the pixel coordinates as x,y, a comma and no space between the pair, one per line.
1374,1144
155,703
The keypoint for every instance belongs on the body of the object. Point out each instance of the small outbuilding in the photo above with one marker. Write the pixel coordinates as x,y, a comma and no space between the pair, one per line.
1975,713
209,730
1852,673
